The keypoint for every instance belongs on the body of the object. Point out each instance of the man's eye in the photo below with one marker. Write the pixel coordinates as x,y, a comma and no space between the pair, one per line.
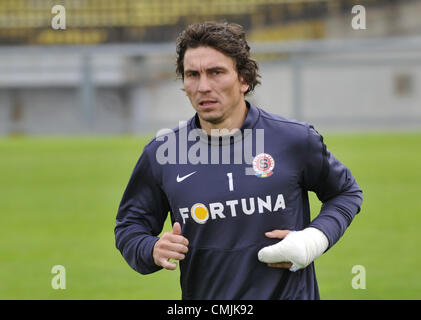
191,74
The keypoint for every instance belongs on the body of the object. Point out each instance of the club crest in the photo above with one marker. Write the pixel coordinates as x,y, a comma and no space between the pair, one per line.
263,165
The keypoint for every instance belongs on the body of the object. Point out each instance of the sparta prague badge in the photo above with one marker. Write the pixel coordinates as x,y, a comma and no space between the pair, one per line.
263,165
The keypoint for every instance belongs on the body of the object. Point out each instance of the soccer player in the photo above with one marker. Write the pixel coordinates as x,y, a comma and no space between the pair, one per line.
241,223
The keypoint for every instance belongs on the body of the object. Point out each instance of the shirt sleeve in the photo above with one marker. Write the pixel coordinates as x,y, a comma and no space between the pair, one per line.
141,216
335,187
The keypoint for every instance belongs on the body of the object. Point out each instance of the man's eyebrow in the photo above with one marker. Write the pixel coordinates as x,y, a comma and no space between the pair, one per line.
216,68
190,70
207,69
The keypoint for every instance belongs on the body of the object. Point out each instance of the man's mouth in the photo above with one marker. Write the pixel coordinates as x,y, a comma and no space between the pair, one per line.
207,103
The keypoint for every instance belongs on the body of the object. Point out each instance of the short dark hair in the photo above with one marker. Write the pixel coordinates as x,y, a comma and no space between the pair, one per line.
228,38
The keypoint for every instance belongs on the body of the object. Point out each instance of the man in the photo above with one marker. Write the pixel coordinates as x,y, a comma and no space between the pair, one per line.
229,217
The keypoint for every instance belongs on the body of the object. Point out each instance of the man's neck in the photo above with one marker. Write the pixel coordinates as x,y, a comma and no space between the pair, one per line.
228,125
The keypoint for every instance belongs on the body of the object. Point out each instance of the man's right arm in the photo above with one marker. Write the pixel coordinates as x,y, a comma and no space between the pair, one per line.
141,216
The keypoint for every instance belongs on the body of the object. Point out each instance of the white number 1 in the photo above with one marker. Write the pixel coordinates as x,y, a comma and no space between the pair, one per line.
230,182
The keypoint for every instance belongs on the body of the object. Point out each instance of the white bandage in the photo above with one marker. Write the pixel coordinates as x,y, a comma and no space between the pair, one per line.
299,247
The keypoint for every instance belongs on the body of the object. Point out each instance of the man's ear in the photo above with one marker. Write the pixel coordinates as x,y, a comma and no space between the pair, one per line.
244,85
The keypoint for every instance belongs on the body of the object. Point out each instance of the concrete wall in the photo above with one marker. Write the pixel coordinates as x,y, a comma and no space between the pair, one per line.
356,91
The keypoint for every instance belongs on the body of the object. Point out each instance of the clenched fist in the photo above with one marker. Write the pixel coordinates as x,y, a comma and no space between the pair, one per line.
172,245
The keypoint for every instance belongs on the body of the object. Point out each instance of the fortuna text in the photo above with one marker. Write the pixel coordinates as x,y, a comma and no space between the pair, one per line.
201,213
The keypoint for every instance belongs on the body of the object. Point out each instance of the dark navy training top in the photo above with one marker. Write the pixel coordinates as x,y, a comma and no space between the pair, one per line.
226,193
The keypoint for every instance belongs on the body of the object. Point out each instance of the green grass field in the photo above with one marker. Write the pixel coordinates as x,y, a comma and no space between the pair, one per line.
59,197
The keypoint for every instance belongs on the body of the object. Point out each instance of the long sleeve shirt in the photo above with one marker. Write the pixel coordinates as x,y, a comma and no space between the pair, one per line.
225,206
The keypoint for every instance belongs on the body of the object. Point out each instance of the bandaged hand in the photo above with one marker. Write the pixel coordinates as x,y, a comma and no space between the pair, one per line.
299,248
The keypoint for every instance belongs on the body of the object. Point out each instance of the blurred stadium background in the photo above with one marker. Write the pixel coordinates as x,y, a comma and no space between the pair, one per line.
78,105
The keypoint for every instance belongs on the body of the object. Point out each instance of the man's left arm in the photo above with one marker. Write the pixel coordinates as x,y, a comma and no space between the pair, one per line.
341,196
335,187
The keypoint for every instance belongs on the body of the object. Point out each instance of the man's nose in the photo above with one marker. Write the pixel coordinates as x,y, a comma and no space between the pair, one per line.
204,84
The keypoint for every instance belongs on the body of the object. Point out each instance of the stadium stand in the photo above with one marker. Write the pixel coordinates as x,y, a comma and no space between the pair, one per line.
105,21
